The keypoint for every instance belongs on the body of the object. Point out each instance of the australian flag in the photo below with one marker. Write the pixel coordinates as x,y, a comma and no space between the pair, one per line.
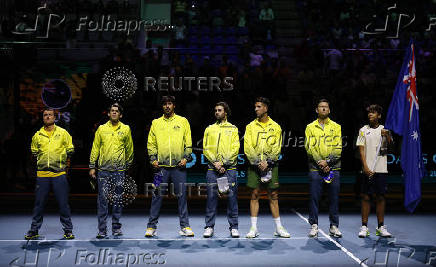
403,119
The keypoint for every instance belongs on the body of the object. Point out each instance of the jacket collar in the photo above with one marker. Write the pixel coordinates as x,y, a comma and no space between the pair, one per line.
169,119
42,131
270,121
317,124
222,124
109,124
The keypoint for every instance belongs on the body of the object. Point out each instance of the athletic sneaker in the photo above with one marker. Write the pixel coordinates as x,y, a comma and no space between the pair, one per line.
382,231
187,231
101,235
364,232
253,233
31,235
208,232
117,232
313,230
281,232
334,231
68,235
150,232
234,233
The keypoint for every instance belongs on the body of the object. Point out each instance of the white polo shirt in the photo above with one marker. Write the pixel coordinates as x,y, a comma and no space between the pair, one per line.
371,139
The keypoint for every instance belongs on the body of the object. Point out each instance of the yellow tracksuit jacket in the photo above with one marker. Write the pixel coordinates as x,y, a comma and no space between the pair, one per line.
262,142
112,147
324,144
51,152
221,143
169,141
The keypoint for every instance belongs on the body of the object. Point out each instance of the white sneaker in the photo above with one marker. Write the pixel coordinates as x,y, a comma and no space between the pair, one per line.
253,233
382,231
334,231
234,233
150,232
187,231
208,232
364,232
281,232
313,230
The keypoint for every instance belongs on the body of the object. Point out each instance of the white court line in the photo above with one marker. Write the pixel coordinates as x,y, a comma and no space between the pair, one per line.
158,239
351,255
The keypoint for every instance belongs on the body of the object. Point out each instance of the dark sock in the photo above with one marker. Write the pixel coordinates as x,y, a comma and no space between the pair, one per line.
365,224
380,224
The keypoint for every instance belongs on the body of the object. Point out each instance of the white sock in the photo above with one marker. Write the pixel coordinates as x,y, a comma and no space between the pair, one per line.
277,222
254,222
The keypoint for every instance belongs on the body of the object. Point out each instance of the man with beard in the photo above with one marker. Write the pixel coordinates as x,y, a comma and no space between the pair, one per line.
51,146
262,146
324,146
221,147
113,149
169,148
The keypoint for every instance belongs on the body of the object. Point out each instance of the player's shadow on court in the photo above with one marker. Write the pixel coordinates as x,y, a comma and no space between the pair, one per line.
167,244
319,246
217,244
44,245
105,243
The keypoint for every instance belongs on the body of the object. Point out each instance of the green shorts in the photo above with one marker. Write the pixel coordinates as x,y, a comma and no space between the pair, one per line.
253,178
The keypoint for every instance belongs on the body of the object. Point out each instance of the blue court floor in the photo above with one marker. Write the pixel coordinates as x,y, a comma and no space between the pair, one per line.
414,243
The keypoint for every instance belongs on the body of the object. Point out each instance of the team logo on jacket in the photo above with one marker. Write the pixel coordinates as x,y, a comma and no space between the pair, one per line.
176,127
120,133
271,130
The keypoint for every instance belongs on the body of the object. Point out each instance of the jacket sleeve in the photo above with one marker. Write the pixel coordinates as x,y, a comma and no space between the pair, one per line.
95,151
34,145
187,141
152,143
335,155
249,150
207,148
310,143
235,145
69,144
276,146
129,148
